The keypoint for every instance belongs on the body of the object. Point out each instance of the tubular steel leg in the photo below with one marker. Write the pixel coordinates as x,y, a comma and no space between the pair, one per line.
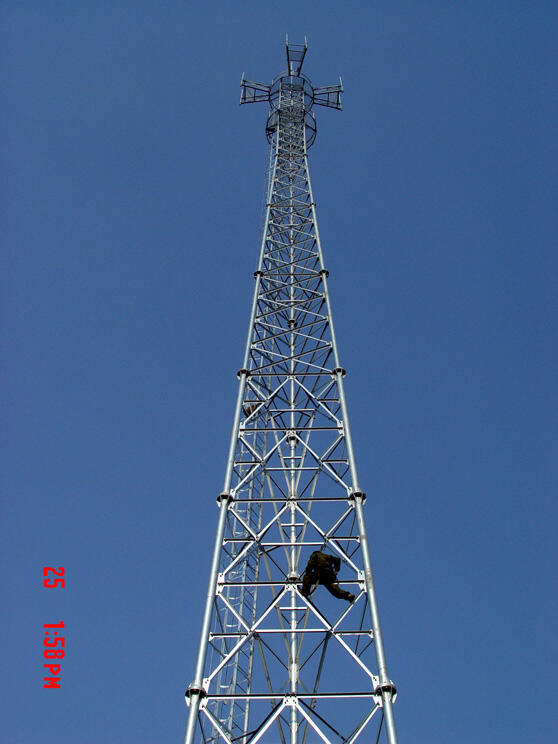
196,688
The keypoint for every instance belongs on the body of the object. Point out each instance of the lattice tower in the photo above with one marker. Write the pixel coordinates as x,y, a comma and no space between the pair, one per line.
274,665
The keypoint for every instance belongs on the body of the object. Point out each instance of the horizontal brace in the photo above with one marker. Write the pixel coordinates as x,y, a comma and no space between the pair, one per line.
286,583
278,544
250,429
252,583
240,463
318,402
305,469
282,375
300,631
312,499
298,696
293,609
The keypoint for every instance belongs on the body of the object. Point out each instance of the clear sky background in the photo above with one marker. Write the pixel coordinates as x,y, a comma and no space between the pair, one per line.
131,196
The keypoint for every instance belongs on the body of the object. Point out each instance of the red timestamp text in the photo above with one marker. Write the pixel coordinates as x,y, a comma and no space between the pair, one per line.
50,582
53,653
54,640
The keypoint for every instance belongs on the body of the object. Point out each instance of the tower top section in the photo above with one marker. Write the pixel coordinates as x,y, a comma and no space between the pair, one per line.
291,94
295,56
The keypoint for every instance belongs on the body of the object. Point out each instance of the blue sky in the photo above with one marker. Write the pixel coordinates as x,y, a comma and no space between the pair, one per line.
132,194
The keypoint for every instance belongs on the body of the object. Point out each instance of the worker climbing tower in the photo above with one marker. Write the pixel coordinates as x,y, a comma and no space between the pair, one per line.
275,665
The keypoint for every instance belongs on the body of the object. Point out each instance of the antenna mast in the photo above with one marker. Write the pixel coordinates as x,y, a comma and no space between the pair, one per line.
280,659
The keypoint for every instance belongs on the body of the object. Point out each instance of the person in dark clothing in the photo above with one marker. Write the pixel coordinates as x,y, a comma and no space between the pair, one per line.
323,569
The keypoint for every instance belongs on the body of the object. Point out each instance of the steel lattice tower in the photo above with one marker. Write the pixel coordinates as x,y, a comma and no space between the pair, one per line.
273,665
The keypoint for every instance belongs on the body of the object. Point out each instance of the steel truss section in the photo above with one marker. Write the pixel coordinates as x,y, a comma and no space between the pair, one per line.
274,665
